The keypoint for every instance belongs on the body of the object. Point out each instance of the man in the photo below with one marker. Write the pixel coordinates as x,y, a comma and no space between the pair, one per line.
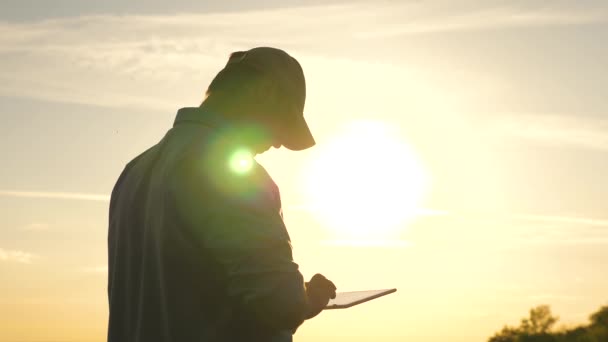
197,246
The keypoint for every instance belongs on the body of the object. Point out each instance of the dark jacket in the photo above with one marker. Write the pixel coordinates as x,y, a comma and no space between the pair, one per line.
198,252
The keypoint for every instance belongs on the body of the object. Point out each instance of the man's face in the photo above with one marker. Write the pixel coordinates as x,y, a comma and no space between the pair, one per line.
270,123
262,135
270,114
265,144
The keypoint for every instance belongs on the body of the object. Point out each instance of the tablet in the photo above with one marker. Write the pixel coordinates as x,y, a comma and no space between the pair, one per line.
345,300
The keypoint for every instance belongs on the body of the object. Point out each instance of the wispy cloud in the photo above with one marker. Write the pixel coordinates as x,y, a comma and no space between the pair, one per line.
552,229
565,219
56,195
16,256
553,297
559,130
145,61
367,243
36,226
101,269
313,208
527,217
485,18
507,230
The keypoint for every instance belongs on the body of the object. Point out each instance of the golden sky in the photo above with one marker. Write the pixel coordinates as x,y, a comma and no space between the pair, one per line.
477,129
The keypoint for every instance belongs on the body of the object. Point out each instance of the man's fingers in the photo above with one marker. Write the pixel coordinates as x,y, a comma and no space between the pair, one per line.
324,285
322,279
318,278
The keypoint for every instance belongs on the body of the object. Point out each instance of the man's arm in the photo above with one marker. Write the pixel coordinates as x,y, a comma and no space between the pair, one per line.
249,240
258,263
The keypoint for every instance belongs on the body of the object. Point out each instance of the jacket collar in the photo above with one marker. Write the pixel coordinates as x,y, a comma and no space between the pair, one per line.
197,115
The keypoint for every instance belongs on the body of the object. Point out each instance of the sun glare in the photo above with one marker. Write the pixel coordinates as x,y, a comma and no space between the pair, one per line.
366,183
241,161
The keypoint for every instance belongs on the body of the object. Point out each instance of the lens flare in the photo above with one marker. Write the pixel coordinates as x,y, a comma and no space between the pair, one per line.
241,161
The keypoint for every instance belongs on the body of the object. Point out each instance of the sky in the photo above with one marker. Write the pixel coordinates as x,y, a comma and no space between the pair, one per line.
498,109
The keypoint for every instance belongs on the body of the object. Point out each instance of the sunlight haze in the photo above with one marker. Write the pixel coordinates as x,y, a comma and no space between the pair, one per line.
461,157
389,180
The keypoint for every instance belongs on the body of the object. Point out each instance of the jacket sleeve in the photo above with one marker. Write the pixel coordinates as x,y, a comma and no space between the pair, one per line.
247,237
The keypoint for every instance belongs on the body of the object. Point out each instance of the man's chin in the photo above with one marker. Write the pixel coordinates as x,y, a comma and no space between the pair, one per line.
262,149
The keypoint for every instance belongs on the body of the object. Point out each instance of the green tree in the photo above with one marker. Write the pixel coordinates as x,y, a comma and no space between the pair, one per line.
541,321
598,329
538,328
600,317
535,328
507,334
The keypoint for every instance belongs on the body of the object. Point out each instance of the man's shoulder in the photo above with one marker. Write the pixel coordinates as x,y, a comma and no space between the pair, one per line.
136,163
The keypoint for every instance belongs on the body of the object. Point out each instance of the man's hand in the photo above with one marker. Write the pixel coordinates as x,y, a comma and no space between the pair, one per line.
319,290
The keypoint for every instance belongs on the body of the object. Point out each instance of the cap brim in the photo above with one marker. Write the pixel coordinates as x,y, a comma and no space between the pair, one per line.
298,136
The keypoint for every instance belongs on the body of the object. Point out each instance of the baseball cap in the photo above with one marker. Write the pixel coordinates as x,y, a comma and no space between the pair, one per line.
288,74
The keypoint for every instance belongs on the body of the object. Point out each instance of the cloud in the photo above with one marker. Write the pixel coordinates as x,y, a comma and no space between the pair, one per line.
565,219
140,61
367,243
553,297
36,226
16,256
150,61
557,229
508,230
557,130
486,19
56,195
313,208
101,269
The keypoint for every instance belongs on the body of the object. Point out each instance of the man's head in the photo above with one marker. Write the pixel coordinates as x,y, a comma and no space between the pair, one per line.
264,88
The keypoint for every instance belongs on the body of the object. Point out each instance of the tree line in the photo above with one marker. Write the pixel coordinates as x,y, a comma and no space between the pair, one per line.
539,327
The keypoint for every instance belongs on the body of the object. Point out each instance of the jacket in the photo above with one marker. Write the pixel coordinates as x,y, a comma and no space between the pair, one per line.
197,251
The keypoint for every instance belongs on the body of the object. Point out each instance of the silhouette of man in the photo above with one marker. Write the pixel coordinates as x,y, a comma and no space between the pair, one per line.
197,247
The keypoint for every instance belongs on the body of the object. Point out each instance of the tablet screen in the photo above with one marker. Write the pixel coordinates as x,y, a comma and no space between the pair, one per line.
348,299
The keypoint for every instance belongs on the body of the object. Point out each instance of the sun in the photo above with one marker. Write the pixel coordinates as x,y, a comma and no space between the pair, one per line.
366,183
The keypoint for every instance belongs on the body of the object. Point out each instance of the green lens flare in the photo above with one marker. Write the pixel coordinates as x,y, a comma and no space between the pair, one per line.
241,161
